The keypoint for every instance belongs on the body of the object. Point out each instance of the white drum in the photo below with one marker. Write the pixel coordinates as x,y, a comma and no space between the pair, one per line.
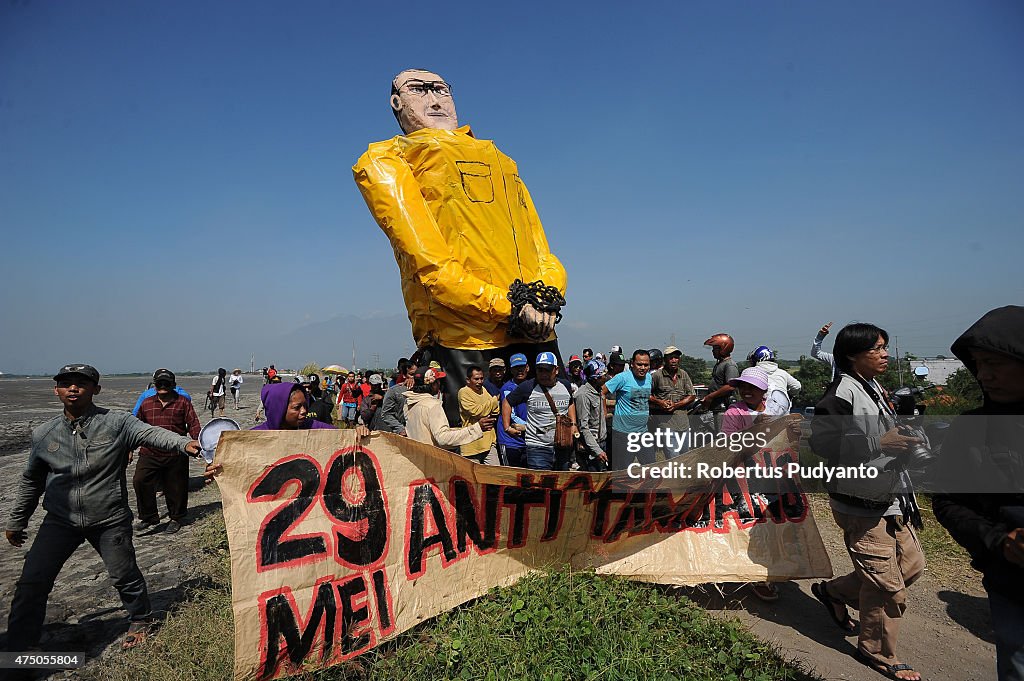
210,435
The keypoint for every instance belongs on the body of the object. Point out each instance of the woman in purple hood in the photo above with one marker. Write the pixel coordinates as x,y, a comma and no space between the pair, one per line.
285,406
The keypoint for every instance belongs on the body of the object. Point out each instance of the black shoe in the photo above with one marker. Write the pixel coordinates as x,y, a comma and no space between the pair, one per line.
143,525
172,527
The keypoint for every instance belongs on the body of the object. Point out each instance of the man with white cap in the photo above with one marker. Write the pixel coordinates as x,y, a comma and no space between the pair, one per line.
546,397
425,420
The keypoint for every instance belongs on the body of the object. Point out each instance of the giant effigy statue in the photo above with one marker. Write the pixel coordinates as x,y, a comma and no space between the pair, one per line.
478,277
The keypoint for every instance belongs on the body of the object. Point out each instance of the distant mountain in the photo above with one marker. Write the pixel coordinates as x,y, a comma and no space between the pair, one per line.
330,341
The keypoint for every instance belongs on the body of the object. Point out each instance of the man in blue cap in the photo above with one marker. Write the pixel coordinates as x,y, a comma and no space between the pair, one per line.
511,444
546,397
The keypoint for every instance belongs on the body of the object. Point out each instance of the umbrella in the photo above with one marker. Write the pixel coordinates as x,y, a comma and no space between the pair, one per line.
335,369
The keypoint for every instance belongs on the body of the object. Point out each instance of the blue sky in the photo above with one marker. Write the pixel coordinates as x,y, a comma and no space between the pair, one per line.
175,183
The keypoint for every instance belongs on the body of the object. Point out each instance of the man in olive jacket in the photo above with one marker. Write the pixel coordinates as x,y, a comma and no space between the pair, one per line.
78,459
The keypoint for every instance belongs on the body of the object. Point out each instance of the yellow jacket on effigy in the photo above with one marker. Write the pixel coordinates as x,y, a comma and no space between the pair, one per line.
463,228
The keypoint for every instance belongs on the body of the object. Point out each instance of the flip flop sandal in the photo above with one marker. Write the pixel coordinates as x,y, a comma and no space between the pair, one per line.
846,623
887,670
136,635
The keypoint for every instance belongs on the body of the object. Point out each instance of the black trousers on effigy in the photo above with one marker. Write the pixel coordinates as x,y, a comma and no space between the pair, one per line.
455,362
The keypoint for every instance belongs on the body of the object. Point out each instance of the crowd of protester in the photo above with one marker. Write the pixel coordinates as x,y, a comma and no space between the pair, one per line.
542,414
601,398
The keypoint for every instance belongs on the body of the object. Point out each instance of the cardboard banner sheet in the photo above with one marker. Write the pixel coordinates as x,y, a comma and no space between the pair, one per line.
337,546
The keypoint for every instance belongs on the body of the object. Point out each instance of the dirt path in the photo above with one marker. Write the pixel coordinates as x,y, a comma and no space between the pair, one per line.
946,632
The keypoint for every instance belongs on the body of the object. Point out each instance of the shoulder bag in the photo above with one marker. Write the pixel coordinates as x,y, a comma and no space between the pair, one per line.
563,425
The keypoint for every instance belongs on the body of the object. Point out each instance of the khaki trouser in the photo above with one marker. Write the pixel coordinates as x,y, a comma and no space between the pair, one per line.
492,458
887,558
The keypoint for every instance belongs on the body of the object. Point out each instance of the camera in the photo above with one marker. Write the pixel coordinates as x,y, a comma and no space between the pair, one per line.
919,455
909,416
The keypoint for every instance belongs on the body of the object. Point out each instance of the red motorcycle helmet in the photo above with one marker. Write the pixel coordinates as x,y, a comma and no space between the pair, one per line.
723,342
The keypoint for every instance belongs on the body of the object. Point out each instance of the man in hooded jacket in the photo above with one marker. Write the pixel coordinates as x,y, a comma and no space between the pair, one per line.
425,420
991,526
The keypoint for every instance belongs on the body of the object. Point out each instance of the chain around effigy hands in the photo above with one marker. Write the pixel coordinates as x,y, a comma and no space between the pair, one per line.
544,298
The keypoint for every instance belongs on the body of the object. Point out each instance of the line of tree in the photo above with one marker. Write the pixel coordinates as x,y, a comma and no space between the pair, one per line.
960,393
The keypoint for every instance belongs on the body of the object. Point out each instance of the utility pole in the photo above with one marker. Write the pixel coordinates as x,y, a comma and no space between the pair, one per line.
353,355
252,363
899,363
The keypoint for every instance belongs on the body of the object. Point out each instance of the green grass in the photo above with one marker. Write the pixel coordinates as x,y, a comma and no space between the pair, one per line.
575,625
561,625
195,642
945,557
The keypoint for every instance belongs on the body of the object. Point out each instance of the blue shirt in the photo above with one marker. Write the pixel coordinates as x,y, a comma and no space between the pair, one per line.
519,410
492,389
149,392
632,406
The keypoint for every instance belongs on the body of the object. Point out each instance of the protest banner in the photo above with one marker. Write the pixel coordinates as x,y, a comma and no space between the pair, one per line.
338,544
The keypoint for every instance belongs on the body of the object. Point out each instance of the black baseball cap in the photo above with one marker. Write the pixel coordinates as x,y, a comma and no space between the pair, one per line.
616,358
84,370
164,375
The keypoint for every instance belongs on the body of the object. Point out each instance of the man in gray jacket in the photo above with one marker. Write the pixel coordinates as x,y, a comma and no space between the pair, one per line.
590,414
78,459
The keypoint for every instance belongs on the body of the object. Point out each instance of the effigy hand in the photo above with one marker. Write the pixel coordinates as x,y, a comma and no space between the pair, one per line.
536,325
535,310
530,319
547,325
